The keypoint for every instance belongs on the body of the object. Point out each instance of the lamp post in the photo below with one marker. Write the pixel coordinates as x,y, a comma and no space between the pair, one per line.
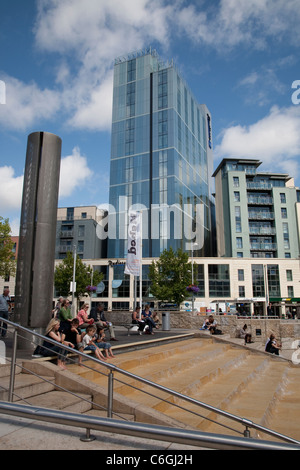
92,276
193,246
73,309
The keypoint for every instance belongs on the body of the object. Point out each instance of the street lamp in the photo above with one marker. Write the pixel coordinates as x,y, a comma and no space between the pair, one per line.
73,309
194,245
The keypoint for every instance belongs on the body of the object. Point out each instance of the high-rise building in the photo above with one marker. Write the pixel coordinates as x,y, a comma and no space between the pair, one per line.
256,212
161,159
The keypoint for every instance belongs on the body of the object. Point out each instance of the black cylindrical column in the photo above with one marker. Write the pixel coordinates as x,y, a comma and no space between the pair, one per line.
36,251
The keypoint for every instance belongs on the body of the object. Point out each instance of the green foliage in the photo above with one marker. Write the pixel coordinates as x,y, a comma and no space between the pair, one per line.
63,276
7,257
170,275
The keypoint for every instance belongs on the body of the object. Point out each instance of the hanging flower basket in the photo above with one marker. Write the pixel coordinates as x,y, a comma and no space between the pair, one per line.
91,289
192,289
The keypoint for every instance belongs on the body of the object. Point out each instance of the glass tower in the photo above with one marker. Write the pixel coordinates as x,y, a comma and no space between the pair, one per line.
161,159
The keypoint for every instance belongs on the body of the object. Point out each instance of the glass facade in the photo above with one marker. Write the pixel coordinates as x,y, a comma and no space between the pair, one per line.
161,159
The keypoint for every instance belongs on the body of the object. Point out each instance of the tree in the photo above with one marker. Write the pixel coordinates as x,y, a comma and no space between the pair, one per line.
63,275
170,275
7,257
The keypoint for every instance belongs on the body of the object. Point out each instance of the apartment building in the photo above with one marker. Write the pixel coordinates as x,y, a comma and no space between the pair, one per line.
256,212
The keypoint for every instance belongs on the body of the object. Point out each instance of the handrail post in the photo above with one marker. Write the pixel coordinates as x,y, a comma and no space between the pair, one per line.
110,394
13,367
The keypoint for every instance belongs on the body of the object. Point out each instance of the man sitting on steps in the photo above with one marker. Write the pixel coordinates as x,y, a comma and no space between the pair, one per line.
97,313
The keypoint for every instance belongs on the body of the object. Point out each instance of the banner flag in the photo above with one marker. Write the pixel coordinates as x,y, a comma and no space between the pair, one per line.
134,244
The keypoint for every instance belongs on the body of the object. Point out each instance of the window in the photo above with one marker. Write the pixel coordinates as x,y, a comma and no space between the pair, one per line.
258,284
290,291
162,129
81,230
70,213
83,215
131,70
236,181
289,275
239,242
286,240
241,275
236,195
273,280
129,136
241,291
163,89
219,280
282,198
80,246
283,213
238,224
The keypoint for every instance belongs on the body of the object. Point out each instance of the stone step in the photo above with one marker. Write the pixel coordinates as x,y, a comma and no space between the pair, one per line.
167,363
232,378
26,386
59,400
5,369
184,375
223,389
283,415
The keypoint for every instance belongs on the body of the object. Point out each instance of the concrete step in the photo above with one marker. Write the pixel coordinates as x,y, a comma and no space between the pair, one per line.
25,386
5,370
234,378
59,400
284,415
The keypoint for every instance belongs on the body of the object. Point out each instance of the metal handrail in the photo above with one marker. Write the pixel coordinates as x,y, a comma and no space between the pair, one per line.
140,430
112,368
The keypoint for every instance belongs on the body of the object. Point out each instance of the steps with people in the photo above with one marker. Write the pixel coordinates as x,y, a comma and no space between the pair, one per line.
243,382
251,384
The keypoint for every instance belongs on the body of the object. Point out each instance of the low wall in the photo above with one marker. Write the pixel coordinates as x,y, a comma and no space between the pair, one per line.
260,328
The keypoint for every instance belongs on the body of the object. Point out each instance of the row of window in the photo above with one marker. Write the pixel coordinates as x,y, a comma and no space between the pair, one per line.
218,281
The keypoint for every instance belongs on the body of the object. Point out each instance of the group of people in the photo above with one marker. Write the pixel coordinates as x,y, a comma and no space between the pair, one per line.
272,346
210,324
145,319
85,332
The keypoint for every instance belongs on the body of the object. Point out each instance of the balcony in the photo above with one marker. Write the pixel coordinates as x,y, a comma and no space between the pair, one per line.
261,215
65,248
66,234
263,246
259,185
259,200
262,231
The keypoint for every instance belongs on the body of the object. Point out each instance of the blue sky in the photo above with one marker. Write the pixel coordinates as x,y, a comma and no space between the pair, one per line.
241,58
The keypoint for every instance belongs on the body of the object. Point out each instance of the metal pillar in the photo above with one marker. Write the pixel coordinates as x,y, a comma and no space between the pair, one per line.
35,265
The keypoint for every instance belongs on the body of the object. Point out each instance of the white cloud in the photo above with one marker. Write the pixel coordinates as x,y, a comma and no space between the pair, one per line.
96,112
10,190
74,173
229,23
86,36
275,139
93,33
26,104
